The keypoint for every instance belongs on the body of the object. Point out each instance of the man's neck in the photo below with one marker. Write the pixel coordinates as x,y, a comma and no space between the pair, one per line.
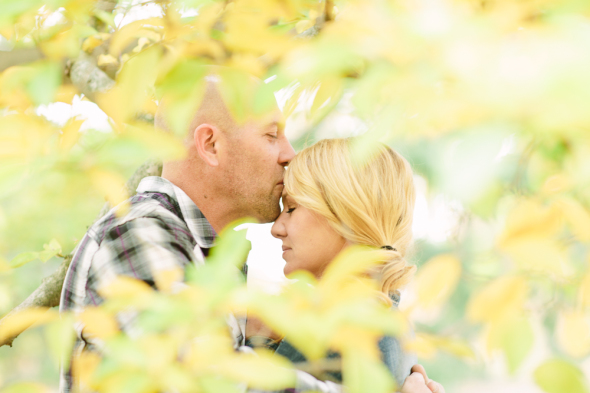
218,210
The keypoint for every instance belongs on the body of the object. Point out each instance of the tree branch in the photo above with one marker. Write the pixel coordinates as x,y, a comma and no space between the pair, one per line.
19,56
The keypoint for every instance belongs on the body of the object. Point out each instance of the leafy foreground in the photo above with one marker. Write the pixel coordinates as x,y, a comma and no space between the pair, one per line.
487,100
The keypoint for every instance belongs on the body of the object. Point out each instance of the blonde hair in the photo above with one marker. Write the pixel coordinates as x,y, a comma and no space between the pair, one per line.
367,195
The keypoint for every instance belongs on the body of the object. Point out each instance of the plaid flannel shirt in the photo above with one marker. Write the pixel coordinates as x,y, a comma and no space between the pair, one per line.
162,230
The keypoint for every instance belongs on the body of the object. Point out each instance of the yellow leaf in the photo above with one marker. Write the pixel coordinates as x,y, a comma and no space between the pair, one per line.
91,43
422,345
530,219
110,184
23,137
577,216
106,60
66,43
137,76
539,254
328,93
303,25
584,292
530,238
70,135
134,30
66,93
502,297
161,144
22,320
98,323
4,266
207,350
436,280
12,93
265,371
159,350
141,43
364,373
248,63
25,387
83,368
165,279
293,101
124,286
557,183
573,332
350,263
426,345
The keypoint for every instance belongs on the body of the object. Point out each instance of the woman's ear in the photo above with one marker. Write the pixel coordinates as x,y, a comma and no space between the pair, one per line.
205,139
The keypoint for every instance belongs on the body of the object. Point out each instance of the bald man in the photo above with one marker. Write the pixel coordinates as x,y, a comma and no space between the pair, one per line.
232,170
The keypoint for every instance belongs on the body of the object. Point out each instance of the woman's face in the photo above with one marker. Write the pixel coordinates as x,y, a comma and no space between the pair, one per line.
309,242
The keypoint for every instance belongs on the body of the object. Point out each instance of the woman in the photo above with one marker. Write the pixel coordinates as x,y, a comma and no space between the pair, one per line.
337,195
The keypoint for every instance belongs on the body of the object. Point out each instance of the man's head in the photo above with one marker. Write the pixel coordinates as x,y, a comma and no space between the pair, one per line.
232,169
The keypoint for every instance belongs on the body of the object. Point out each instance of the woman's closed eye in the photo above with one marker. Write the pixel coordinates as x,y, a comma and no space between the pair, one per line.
290,210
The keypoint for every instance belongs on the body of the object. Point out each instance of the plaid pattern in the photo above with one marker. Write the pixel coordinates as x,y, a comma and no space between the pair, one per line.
163,229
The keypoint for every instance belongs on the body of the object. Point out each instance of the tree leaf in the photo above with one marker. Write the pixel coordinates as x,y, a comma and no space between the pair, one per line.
573,332
500,298
50,250
577,217
20,321
363,373
515,337
327,96
98,323
26,387
560,376
437,279
23,258
45,82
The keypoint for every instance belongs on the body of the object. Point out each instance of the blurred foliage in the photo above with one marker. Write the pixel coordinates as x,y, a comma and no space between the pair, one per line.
487,100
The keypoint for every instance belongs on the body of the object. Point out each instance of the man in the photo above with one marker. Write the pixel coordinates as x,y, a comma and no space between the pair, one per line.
231,171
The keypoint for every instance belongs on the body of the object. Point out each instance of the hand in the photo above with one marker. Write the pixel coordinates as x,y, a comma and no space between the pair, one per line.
418,382
255,327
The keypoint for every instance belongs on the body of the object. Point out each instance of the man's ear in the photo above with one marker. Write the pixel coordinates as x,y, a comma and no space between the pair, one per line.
206,139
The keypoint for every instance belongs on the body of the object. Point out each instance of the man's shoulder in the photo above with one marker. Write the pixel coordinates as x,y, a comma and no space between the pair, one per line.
154,207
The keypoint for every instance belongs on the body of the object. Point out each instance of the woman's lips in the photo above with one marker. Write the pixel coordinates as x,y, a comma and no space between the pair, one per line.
285,249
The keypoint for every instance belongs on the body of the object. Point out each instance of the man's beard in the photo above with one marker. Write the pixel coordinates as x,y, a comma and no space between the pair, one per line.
267,209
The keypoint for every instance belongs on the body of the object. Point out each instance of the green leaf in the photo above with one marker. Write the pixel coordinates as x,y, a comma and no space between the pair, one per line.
25,387
45,81
107,17
517,341
60,336
363,374
23,258
50,250
231,246
560,376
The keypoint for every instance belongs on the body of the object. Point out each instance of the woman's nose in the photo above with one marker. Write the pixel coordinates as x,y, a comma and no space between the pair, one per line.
278,229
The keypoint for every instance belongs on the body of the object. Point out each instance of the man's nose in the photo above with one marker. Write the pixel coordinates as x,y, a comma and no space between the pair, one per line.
287,152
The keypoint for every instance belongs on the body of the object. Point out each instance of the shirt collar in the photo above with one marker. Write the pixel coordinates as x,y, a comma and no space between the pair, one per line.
196,222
